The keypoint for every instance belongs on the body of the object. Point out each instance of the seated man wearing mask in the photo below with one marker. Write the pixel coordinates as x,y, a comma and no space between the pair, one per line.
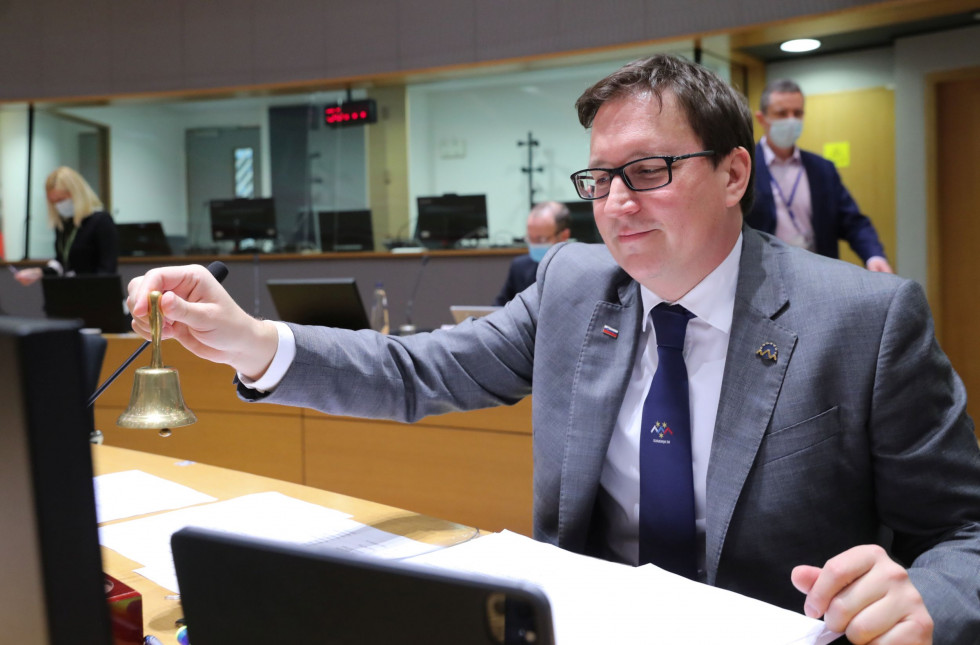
547,224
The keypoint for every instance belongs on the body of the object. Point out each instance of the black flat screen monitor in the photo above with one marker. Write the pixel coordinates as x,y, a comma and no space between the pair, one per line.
138,239
331,302
243,219
247,591
447,221
582,222
52,589
346,231
97,300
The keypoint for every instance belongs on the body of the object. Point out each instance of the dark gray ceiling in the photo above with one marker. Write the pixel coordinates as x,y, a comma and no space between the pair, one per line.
867,38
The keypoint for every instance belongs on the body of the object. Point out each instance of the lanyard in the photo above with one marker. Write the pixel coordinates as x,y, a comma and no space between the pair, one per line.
789,202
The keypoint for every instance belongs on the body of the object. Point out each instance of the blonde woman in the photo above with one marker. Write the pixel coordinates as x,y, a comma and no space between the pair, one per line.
85,235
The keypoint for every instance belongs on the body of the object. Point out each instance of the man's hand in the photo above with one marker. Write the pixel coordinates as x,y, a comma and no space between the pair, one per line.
878,264
200,314
867,596
28,276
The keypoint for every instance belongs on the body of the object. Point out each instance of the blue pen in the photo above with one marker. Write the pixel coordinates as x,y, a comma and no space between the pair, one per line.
151,640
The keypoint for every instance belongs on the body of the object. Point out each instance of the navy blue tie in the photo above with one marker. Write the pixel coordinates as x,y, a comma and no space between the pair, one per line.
667,531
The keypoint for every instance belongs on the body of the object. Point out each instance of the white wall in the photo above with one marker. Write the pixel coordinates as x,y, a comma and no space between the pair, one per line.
13,179
463,138
838,72
915,59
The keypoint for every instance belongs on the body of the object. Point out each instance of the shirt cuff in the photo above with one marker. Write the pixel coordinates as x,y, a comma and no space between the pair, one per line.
281,362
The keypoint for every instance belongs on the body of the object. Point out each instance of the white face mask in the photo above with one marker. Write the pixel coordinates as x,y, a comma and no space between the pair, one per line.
65,208
783,133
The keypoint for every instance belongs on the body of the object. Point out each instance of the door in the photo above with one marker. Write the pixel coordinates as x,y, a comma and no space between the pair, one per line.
958,228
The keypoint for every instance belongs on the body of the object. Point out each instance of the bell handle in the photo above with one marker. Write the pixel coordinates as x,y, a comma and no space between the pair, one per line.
156,326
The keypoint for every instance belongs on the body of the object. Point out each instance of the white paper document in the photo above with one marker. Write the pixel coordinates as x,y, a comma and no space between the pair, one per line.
594,601
133,492
269,516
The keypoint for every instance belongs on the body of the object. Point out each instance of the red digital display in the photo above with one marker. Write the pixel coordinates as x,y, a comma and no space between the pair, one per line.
350,113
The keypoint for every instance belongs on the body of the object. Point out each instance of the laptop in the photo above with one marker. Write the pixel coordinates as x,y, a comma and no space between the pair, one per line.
332,302
95,299
247,591
142,239
462,312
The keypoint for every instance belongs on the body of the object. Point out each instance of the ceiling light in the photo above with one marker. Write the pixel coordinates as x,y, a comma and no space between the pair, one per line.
800,45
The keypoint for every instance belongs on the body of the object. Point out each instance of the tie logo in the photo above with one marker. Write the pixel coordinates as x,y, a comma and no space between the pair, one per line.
768,350
661,432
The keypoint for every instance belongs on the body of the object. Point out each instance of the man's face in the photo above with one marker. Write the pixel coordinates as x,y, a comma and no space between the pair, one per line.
541,230
670,238
782,105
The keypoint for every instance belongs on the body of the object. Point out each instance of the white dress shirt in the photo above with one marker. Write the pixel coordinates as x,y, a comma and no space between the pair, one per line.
791,193
712,301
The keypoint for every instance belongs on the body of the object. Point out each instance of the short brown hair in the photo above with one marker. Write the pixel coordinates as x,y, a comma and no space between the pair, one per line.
718,113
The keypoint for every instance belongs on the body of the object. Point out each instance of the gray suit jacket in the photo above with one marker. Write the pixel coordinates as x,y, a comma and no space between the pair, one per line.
858,424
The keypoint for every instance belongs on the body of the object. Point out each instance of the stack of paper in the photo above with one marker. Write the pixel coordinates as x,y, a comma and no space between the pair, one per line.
594,601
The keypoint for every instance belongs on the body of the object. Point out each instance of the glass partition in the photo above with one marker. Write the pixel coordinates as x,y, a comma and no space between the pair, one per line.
188,165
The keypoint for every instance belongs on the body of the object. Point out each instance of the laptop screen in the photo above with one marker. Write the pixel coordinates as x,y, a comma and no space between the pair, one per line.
243,590
332,302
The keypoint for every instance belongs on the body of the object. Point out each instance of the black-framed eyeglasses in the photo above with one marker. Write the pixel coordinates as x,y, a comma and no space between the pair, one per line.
648,173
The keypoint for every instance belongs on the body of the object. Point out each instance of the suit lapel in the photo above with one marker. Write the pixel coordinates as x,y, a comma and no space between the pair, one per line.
602,371
750,387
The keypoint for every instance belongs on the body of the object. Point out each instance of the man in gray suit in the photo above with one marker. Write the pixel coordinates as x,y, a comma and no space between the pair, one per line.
822,411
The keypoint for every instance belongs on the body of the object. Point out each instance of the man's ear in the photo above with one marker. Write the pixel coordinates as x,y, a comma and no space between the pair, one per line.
564,235
760,117
739,170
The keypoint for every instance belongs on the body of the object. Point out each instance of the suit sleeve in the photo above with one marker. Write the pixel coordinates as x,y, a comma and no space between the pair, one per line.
479,363
927,467
507,292
852,224
107,246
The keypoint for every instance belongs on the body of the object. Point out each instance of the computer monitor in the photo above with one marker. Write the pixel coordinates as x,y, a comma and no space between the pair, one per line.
97,300
447,221
243,219
582,223
331,302
52,589
346,231
137,239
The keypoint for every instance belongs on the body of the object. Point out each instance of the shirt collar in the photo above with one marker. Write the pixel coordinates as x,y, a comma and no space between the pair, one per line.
712,300
771,157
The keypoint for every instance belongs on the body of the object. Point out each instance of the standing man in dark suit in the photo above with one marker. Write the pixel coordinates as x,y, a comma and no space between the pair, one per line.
547,225
799,196
820,408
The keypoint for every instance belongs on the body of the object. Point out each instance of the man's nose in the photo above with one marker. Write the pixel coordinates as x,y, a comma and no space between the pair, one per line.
620,197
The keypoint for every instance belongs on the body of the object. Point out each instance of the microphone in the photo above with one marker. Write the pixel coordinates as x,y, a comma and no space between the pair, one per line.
408,328
219,270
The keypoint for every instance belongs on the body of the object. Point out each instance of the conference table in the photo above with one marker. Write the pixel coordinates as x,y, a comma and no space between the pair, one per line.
161,608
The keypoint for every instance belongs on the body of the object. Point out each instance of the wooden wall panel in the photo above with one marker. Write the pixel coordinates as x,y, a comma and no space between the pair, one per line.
262,444
477,478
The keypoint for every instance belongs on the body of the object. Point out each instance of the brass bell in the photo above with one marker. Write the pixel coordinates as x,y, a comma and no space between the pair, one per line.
156,401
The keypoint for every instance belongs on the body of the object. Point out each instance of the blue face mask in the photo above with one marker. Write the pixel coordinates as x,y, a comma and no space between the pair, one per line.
537,251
